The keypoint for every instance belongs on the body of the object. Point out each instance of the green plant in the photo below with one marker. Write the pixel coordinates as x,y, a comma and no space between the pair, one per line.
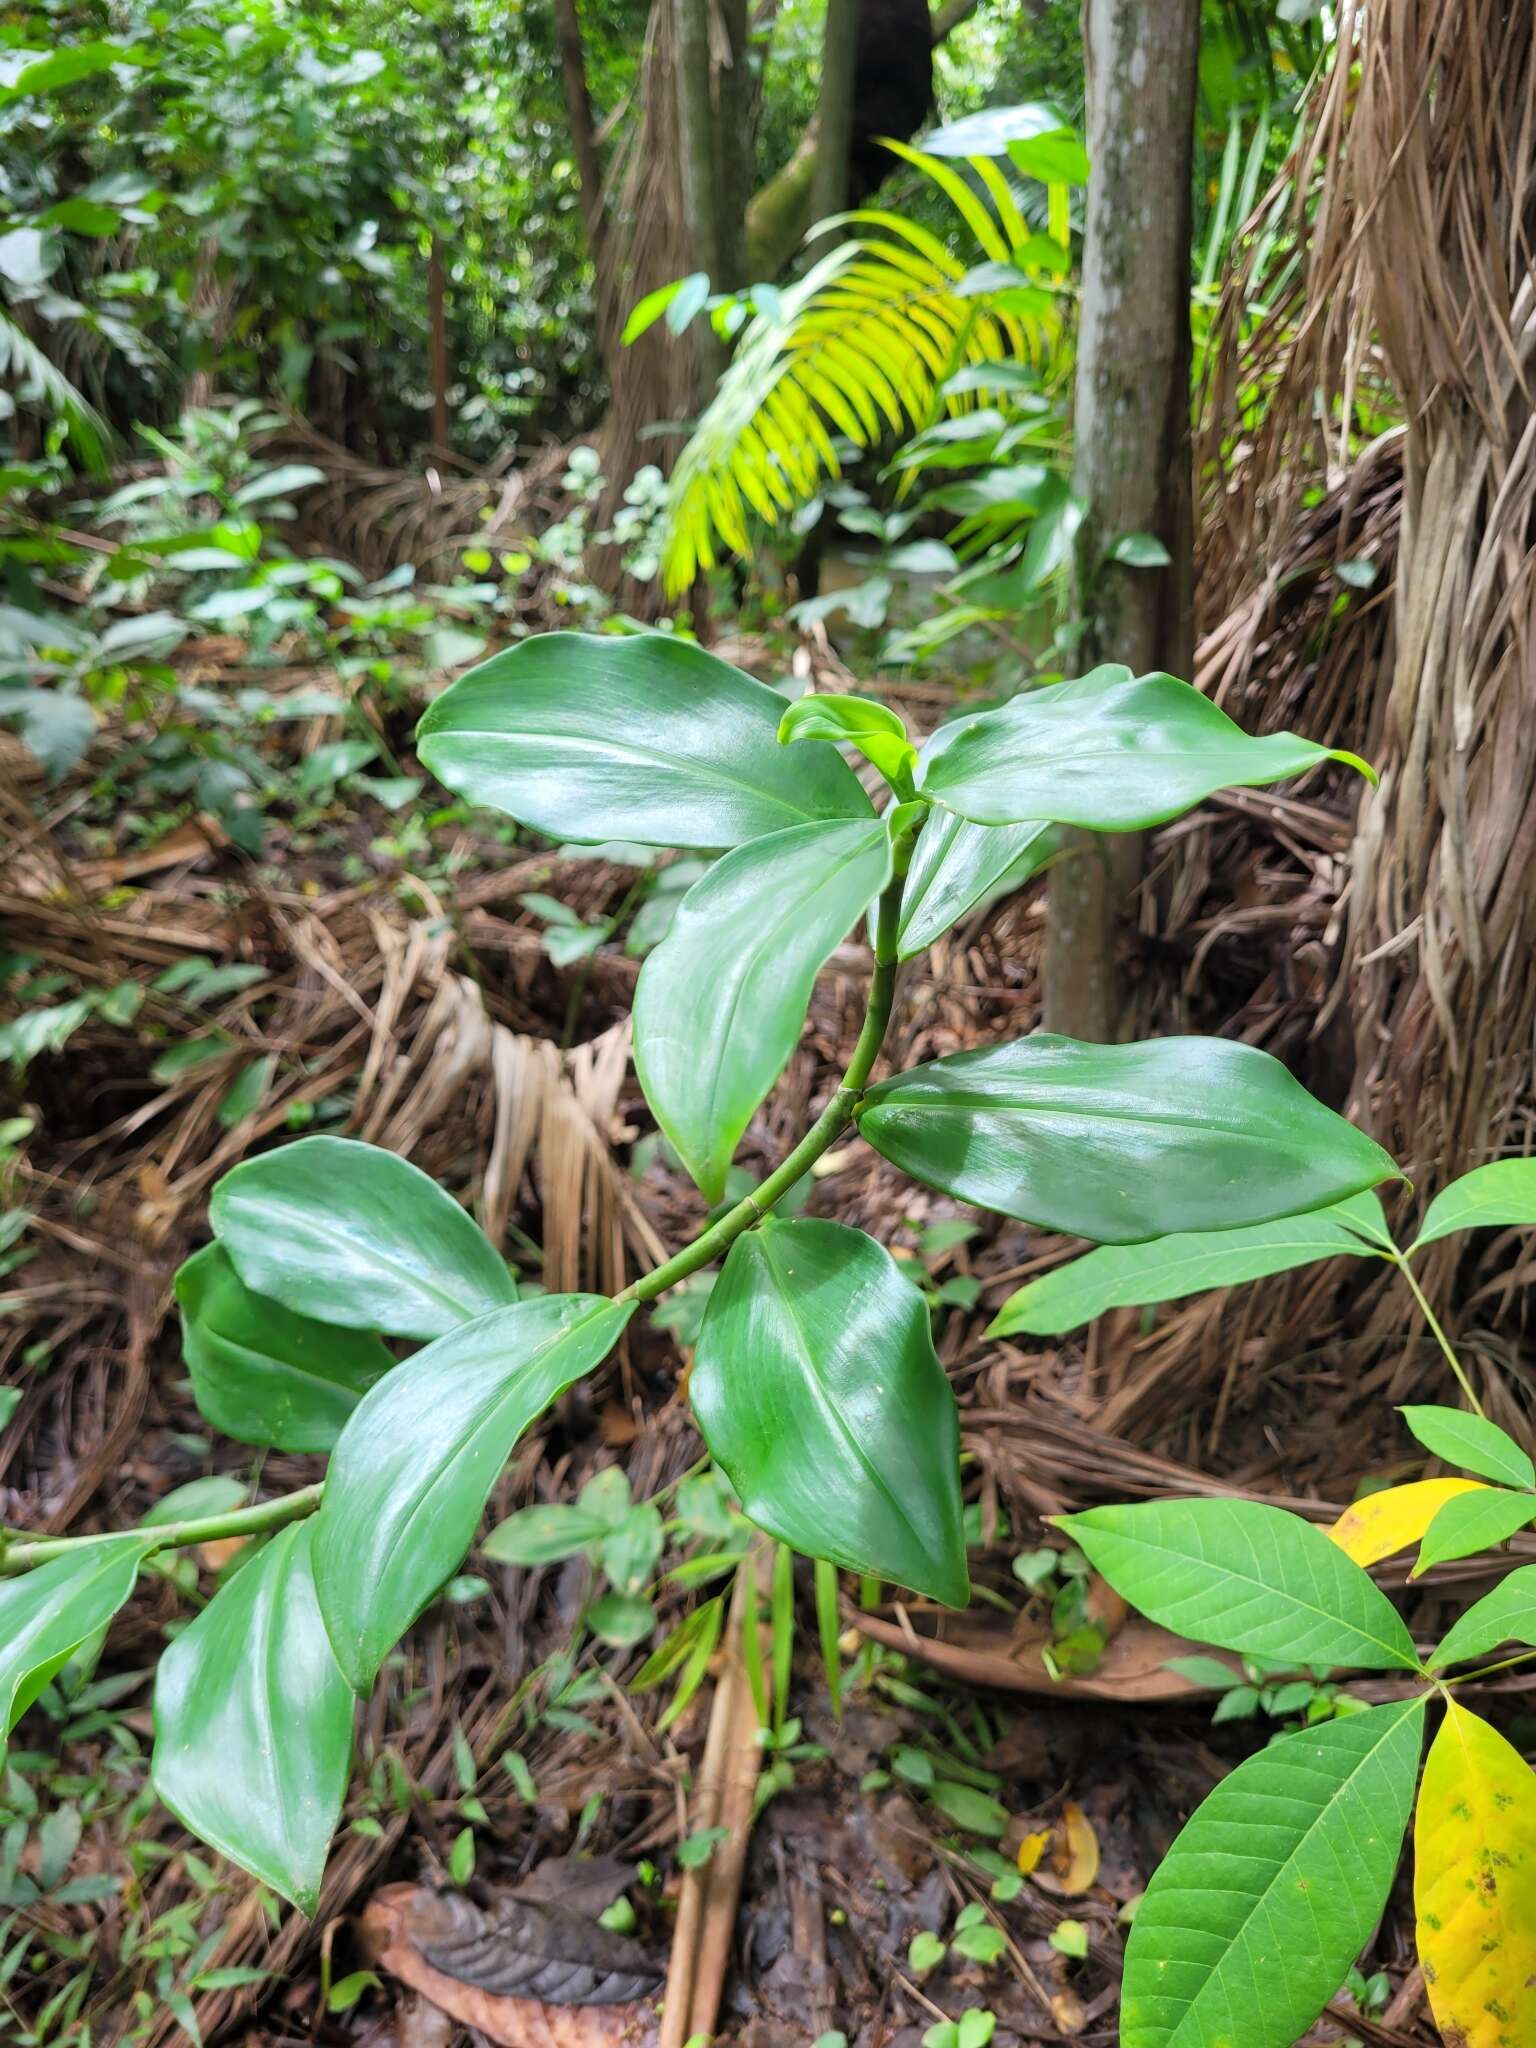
815,1380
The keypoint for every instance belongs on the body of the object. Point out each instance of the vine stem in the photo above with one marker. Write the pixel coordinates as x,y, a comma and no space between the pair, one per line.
706,1247
1437,1333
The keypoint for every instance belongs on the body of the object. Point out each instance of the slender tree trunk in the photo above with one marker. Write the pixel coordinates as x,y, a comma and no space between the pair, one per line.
834,109
701,165
736,119
437,317
578,108
1131,437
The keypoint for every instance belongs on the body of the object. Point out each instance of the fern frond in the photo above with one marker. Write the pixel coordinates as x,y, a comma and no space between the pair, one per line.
862,346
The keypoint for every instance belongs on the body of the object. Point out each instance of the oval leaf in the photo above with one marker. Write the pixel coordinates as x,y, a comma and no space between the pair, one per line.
721,1000
1506,1615
1106,753
413,1467
1168,1268
1471,1441
352,1234
1474,1884
958,865
253,1722
262,1374
1396,1518
1499,1194
1120,1142
1245,1576
1254,1916
817,1388
649,738
1480,1520
48,1612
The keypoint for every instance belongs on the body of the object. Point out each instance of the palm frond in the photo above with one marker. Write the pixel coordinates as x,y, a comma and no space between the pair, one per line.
862,347
23,364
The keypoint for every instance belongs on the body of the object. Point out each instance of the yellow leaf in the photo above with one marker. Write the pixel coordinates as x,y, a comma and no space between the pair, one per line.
1076,1855
1395,1519
1031,1849
1474,1885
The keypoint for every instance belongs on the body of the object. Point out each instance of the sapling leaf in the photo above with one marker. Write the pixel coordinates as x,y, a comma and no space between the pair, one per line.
874,729
1472,1442
645,738
1474,1884
722,1000
1472,1522
1245,1576
1109,752
253,1722
352,1234
1506,1615
1118,1142
957,865
818,1390
1492,1196
1252,1919
413,1467
48,1612
1396,1518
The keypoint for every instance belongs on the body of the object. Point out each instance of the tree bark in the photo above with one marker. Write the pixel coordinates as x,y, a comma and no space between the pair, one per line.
834,109
1131,467
578,108
437,319
701,166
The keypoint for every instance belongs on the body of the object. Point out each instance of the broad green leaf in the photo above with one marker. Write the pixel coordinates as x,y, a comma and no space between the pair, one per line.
262,1373
544,1534
722,999
253,1722
1245,1576
1121,1142
413,1467
48,1612
874,729
351,1234
1472,1442
1109,752
1396,1518
649,738
1475,1521
957,865
818,1390
1506,1615
1474,1885
1254,1916
1168,1268
1039,138
1489,1196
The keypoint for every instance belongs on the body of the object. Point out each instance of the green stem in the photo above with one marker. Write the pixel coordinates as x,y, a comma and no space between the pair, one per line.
1488,1670
251,1521
1438,1334
752,1208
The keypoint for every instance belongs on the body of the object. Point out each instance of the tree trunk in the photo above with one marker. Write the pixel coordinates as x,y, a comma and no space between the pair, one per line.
1131,467
578,108
437,320
834,109
701,168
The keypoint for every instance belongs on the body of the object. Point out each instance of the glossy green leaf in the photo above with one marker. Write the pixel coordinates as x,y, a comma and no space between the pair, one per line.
1121,1142
1472,1443
48,1612
1245,1576
874,729
1475,1521
1109,751
352,1234
958,865
261,1373
1488,1197
817,1389
722,999
646,738
1506,1615
253,1722
413,1467
1168,1268
1254,1916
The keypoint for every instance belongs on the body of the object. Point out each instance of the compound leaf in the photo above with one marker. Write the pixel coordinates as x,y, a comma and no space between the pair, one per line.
253,1722
352,1234
1245,1576
818,1390
1120,1142
413,1467
1255,1915
261,1373
1474,1884
588,737
722,999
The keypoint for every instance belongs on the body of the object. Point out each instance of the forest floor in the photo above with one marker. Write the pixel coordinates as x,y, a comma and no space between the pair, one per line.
399,989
